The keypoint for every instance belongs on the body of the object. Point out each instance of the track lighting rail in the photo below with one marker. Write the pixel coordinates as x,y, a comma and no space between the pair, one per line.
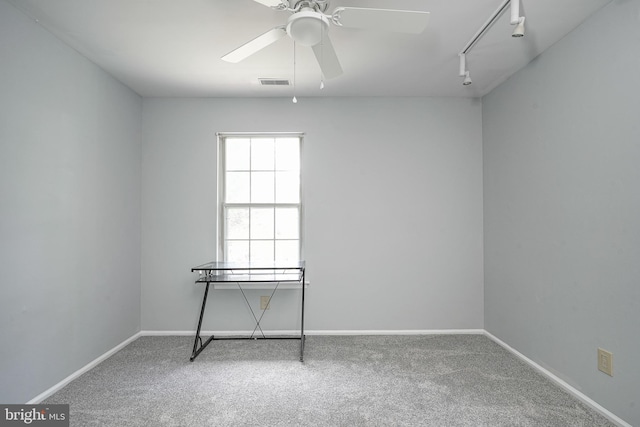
516,20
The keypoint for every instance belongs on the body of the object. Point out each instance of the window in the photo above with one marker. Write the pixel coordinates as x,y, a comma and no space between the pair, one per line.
260,197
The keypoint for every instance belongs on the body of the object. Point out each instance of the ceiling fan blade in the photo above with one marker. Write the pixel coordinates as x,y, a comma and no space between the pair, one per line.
260,42
275,4
401,21
327,58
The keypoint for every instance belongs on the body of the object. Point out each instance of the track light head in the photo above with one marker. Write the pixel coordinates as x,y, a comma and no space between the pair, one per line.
467,79
519,31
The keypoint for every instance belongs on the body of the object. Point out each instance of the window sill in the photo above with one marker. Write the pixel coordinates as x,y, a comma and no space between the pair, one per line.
259,286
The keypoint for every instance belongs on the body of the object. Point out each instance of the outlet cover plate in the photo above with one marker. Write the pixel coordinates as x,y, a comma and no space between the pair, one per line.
605,361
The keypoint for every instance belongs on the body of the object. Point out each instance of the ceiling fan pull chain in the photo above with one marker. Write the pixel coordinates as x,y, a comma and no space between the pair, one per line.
321,57
294,100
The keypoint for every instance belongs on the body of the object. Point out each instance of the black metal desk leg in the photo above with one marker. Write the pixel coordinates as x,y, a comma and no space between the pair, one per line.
196,351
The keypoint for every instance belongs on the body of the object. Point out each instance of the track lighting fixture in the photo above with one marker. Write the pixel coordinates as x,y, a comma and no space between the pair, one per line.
518,32
463,70
467,79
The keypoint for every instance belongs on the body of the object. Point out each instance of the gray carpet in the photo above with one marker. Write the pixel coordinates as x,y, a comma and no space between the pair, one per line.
437,380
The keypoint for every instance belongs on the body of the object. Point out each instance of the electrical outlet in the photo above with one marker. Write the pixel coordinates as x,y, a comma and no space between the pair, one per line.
605,361
264,303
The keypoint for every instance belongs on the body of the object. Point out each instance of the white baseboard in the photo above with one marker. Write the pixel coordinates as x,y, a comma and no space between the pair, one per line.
170,333
564,385
217,333
39,398
324,332
398,332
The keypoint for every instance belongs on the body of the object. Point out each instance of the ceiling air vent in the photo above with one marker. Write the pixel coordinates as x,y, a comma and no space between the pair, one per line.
274,82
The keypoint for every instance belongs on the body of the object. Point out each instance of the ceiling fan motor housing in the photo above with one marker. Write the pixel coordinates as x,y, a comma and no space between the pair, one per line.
307,27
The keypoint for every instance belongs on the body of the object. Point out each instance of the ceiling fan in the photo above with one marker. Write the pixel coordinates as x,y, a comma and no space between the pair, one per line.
308,26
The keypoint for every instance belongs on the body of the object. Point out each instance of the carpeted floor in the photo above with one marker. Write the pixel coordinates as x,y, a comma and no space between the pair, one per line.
436,380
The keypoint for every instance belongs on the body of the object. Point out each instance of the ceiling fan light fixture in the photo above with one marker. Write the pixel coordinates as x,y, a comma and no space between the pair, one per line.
307,27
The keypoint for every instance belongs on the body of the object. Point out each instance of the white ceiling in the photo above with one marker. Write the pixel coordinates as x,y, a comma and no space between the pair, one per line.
173,47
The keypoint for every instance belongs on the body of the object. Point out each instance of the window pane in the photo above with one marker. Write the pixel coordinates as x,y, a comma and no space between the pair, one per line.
287,223
287,250
262,200
287,187
288,154
237,251
237,187
262,250
262,223
237,154
262,154
237,225
262,190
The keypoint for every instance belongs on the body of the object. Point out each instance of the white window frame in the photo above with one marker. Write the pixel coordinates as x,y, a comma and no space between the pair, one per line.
221,197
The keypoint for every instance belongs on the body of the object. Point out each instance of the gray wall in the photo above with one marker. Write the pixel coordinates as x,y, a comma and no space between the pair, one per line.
394,210
562,208
69,210
393,225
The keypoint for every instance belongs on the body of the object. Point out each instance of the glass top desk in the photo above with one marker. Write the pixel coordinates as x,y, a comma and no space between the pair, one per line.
246,276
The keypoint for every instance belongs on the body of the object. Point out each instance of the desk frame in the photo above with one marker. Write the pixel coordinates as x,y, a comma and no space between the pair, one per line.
222,272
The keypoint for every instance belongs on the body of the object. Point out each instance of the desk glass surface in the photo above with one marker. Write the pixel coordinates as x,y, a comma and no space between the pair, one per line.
222,265
222,272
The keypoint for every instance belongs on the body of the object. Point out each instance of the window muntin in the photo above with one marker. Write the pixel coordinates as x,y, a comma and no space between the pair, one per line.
260,198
